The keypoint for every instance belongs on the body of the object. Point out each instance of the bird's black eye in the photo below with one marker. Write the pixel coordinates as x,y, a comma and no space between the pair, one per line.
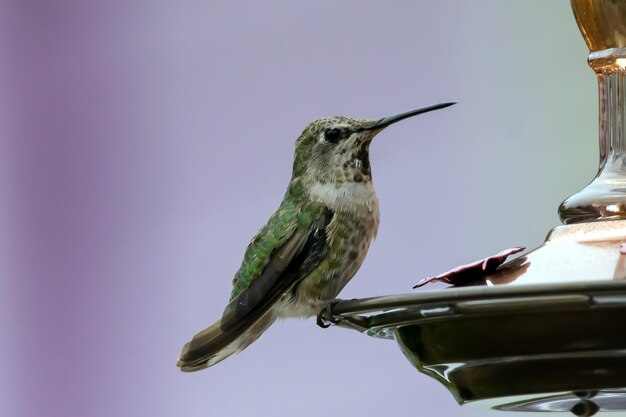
332,135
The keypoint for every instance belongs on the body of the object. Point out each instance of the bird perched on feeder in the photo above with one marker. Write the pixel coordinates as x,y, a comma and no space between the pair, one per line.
311,246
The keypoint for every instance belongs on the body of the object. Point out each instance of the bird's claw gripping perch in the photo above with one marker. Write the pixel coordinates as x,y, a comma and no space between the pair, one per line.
325,317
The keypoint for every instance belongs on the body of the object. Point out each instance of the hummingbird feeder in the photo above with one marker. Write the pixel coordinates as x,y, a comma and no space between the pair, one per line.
560,307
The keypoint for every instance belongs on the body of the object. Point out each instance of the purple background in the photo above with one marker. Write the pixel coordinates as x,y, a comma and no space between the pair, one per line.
143,143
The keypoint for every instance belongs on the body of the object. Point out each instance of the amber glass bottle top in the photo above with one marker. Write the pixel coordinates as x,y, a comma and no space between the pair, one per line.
601,22
603,26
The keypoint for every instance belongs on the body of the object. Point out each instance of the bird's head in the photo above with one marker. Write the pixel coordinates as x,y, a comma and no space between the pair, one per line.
336,149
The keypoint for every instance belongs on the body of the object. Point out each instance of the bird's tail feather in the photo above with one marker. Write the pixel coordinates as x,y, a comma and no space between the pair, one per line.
213,345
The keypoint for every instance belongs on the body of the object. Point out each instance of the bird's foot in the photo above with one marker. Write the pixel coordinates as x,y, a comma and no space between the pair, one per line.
325,317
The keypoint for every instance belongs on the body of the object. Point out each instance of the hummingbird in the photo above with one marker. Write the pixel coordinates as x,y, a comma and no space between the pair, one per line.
316,241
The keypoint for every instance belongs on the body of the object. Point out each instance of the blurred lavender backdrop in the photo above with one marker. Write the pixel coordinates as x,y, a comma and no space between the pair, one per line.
143,143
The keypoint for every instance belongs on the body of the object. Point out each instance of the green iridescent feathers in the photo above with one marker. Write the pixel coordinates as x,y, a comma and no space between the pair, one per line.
279,227
287,220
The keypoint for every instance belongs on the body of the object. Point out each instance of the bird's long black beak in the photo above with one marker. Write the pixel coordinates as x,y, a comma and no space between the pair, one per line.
386,121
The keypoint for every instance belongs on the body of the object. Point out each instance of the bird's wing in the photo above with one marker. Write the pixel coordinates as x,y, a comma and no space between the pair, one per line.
288,248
